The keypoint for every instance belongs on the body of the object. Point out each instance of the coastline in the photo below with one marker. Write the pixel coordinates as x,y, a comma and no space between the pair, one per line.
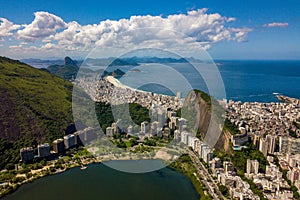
11,187
173,166
14,187
75,178
118,84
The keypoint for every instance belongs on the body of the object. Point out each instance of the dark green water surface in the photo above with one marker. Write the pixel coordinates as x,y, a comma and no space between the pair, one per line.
101,182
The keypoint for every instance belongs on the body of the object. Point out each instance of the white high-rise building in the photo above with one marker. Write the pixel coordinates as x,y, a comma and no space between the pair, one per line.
283,144
252,166
145,127
110,131
177,136
263,147
184,137
207,154
130,129
43,150
202,146
179,95
181,123
155,127
115,127
271,142
192,141
69,141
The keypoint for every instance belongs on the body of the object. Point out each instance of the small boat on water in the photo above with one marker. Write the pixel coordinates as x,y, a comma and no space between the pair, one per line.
83,167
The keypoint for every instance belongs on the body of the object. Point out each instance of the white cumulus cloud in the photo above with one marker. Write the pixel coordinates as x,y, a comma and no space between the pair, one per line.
43,25
197,27
6,27
194,29
240,34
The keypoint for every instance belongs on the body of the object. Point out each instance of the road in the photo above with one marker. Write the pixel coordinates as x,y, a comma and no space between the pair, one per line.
206,176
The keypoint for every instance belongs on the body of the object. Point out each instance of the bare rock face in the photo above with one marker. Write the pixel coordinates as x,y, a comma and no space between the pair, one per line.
68,71
197,110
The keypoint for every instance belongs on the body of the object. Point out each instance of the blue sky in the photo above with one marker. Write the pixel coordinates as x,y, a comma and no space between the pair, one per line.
260,29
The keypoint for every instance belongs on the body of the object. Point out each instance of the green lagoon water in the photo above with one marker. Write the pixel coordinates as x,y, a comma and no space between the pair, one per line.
101,182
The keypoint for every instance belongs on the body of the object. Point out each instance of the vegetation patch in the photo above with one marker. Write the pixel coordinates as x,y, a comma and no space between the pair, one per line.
185,166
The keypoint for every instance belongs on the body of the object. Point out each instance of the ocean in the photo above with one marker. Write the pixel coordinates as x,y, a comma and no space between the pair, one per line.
246,81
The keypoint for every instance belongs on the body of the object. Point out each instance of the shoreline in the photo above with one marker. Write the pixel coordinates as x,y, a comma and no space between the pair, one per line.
279,96
95,161
69,163
95,164
13,188
118,84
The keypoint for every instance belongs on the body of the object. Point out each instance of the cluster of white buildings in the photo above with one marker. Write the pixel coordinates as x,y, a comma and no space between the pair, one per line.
238,189
204,151
291,163
110,93
225,174
27,154
265,118
266,145
272,183
270,125
145,129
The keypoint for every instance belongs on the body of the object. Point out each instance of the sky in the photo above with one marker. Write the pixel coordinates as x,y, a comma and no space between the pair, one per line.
225,29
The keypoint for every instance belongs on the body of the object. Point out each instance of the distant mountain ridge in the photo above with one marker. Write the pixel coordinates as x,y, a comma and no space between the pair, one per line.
39,63
67,71
134,61
70,68
154,60
114,73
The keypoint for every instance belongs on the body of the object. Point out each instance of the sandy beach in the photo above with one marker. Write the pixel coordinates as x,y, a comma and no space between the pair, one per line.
118,84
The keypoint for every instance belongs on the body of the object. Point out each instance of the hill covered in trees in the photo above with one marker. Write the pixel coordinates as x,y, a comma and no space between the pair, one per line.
35,107
66,71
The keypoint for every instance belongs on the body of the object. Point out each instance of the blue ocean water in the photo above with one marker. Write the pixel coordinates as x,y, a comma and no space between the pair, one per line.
259,80
243,80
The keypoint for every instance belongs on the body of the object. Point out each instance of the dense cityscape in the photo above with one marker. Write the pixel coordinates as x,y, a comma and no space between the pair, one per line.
164,100
269,126
272,128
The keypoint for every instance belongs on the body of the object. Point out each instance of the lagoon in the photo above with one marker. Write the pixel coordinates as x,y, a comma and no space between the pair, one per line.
101,182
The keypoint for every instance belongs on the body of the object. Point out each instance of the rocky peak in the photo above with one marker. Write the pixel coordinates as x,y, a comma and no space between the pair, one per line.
69,61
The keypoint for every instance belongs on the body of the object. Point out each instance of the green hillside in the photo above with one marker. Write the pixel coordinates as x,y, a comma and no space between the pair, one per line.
35,106
32,101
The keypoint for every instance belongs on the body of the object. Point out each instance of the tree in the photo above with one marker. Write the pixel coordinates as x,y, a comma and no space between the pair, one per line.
133,142
224,190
